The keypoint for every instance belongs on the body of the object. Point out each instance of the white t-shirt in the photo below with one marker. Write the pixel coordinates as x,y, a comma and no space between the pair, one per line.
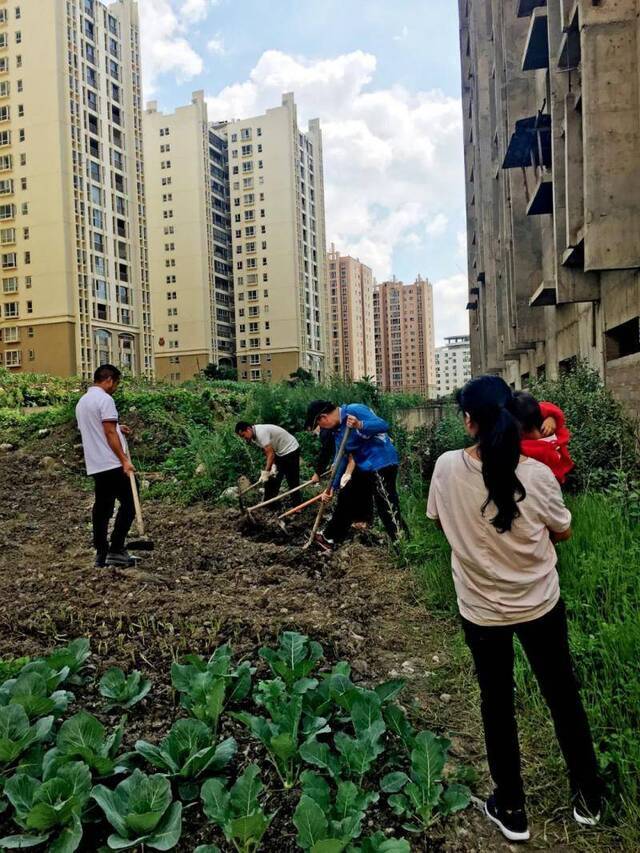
95,407
281,440
500,578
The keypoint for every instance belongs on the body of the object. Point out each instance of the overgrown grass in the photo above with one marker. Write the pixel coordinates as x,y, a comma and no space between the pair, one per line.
600,584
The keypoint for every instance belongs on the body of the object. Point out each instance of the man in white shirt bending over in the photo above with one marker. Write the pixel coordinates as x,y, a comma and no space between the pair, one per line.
107,459
281,449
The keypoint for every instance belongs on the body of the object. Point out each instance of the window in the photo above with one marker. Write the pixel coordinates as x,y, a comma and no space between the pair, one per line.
19,84
7,235
3,40
11,309
4,65
10,285
29,307
245,133
9,261
13,358
171,294
4,89
5,113
23,183
247,150
247,166
11,334
5,138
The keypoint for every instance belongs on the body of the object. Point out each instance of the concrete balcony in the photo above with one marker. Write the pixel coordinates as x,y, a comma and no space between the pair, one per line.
536,49
545,294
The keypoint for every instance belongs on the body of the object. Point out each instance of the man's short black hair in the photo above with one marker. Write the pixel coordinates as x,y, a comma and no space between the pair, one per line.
241,426
526,409
106,371
315,409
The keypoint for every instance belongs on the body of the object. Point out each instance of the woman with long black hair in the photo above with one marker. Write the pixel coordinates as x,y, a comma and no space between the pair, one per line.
502,513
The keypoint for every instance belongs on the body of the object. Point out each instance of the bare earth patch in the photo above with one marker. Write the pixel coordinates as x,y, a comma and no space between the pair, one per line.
212,579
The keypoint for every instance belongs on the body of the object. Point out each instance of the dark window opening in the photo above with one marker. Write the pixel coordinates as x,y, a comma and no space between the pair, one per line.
568,365
623,339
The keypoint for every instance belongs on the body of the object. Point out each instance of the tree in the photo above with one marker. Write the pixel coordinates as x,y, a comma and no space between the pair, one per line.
220,371
303,376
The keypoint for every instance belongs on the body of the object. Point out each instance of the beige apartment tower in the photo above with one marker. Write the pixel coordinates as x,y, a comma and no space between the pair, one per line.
404,337
279,253
351,327
187,190
551,106
73,247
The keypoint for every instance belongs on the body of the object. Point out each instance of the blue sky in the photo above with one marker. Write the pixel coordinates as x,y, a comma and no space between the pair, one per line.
384,79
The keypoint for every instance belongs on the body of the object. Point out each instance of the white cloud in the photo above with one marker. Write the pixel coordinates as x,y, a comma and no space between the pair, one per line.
166,49
461,243
194,11
390,156
437,226
450,297
403,35
216,45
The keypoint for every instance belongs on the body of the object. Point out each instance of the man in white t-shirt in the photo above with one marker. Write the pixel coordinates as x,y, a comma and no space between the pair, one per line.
282,456
107,460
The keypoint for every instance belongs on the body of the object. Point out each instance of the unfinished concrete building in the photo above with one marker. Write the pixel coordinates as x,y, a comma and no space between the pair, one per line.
551,103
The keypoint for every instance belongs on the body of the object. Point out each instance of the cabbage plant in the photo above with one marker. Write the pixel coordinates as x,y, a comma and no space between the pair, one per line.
49,811
17,735
124,690
237,811
206,687
84,738
34,689
188,753
141,811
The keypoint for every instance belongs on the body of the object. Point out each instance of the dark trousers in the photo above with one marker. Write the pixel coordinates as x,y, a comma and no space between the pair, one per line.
354,503
110,486
288,467
546,645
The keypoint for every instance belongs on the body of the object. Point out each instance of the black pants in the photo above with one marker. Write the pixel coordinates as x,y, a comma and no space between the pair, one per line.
288,467
354,502
110,486
546,645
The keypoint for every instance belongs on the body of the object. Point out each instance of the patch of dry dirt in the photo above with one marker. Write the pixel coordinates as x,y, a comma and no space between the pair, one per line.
212,579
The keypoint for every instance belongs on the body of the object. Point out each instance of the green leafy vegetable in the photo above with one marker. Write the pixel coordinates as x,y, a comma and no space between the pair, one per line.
50,811
17,735
237,811
422,795
379,843
141,811
295,658
10,667
281,733
32,689
124,690
208,686
325,823
72,657
188,753
83,737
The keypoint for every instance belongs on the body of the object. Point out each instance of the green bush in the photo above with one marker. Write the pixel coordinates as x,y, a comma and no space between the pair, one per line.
603,437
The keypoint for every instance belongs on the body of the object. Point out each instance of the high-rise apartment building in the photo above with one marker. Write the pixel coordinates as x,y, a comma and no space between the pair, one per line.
404,336
75,290
187,190
453,364
279,254
551,106
351,327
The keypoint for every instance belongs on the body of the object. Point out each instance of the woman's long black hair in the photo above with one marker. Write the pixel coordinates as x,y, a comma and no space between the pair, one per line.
487,401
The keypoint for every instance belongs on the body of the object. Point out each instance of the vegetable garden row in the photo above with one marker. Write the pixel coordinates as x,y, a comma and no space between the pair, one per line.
348,753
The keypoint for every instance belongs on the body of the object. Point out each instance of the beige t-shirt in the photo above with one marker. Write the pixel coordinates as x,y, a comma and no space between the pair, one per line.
500,578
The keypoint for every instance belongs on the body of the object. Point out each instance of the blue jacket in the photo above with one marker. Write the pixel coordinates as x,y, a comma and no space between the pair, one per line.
370,446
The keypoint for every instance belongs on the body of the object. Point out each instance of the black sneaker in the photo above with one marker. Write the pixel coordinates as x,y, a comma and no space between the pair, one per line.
511,822
120,558
587,810
101,560
323,543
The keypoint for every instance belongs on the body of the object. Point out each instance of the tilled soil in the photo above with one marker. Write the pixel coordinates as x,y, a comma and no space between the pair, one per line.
211,578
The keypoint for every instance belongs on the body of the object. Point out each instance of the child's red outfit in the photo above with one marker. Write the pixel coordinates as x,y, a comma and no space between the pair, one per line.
552,451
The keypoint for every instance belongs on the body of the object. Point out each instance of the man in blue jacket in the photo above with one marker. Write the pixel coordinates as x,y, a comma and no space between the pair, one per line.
376,469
